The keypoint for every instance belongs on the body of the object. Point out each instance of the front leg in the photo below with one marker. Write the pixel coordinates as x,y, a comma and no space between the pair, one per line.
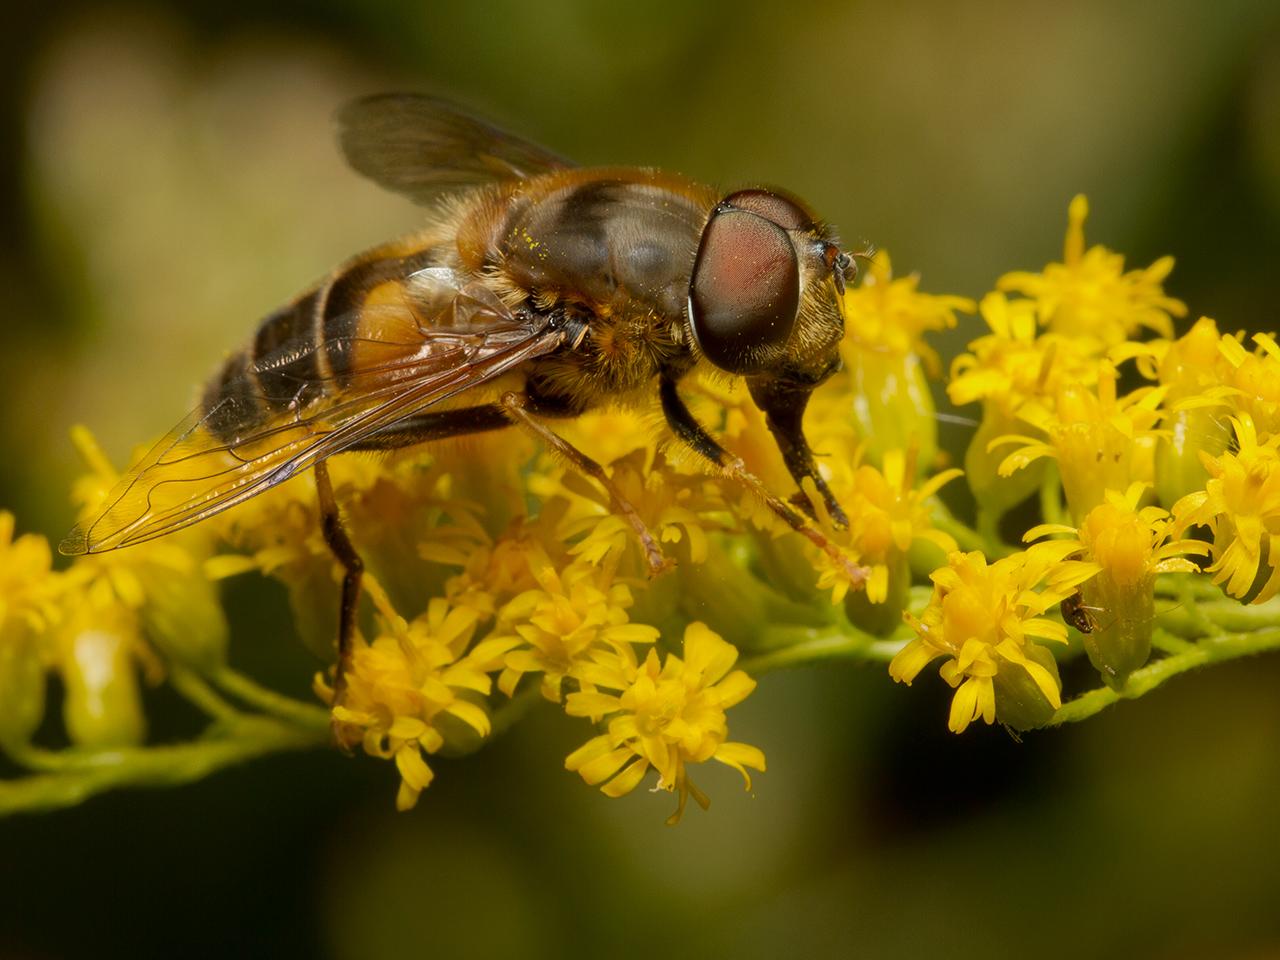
783,403
692,433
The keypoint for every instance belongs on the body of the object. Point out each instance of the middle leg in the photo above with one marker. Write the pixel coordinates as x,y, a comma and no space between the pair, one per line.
522,409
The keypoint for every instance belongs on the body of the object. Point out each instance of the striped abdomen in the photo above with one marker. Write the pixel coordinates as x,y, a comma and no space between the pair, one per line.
304,351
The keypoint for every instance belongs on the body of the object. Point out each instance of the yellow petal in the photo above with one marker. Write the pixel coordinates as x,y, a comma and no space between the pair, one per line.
413,769
740,756
472,715
603,767
627,780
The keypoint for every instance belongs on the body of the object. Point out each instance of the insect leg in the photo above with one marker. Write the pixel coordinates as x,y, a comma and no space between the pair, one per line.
692,433
521,409
437,425
783,405
335,535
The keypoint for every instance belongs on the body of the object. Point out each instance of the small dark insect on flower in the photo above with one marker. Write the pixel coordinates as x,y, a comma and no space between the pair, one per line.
585,285
1075,613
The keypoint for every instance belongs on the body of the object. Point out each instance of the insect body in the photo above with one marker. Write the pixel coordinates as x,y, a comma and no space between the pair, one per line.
585,285
1076,613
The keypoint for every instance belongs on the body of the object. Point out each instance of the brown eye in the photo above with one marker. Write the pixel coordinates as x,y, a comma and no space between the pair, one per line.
745,291
774,207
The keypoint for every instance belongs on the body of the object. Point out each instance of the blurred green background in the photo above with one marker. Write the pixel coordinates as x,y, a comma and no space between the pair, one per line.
167,175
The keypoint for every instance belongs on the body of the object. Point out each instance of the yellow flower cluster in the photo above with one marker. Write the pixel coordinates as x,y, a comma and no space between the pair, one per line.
662,716
986,618
496,576
1047,377
1240,504
28,606
1130,544
100,625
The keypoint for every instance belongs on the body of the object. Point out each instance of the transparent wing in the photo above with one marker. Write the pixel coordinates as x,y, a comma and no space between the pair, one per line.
254,438
420,146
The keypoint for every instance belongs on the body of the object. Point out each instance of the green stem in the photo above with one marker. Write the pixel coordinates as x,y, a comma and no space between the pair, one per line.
72,776
846,644
301,714
989,530
1051,497
1198,618
1227,646
203,696
1167,642
507,715
965,536
1176,585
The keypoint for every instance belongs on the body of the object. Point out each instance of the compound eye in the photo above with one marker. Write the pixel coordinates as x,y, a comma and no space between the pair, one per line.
774,207
745,291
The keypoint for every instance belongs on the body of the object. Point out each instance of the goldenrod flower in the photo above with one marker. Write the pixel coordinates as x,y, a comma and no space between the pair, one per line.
886,359
556,627
490,563
662,716
1194,370
680,509
98,647
1007,369
28,605
1015,363
728,410
1101,441
404,688
399,510
610,433
891,314
1241,506
131,606
984,617
1090,294
1130,545
494,573
1254,381
162,587
28,585
887,514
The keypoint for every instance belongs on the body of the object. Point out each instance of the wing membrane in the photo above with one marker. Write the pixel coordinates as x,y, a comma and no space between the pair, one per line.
421,146
198,469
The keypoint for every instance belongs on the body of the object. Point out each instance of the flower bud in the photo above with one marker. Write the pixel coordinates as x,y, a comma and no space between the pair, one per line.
1123,618
996,494
1021,702
1178,467
883,617
892,407
182,616
314,600
102,707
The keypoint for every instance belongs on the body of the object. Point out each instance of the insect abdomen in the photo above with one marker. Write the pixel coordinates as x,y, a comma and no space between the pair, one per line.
303,351
269,374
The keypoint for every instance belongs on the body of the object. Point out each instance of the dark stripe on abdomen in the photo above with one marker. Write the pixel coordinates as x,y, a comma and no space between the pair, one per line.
284,355
232,404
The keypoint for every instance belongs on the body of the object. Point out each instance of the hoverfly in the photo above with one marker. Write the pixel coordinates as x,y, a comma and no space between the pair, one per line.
589,284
